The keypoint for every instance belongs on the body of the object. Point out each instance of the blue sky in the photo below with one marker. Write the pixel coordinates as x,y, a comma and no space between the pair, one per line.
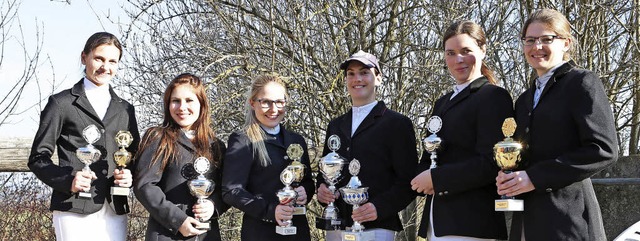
64,29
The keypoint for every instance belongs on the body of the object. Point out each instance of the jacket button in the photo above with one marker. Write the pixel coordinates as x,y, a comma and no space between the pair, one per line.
549,189
440,194
526,130
529,113
446,192
347,148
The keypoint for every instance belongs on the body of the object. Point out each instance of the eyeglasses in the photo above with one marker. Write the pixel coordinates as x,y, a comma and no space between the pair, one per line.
266,104
544,40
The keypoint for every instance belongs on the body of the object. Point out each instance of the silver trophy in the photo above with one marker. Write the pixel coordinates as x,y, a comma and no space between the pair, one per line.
353,193
122,157
432,143
201,187
295,152
286,196
331,167
88,154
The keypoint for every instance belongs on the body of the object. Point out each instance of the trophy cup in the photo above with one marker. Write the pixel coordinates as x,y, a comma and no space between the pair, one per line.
330,166
355,195
201,187
507,155
88,154
432,143
295,152
122,157
286,196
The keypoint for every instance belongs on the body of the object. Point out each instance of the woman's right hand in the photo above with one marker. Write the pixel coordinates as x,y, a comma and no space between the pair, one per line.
82,181
188,229
325,195
283,213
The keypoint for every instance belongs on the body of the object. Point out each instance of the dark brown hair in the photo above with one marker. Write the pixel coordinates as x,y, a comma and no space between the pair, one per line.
169,132
475,32
101,38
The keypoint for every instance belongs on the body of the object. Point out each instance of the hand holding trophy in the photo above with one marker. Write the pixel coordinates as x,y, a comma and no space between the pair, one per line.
286,196
122,157
201,187
88,154
356,195
331,167
507,155
432,142
295,152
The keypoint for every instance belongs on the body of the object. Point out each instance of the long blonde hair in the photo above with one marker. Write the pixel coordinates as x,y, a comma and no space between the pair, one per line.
252,125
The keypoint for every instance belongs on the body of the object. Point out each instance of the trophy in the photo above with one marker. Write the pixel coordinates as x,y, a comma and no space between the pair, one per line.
507,155
295,152
88,154
353,193
286,196
330,166
201,187
122,157
432,143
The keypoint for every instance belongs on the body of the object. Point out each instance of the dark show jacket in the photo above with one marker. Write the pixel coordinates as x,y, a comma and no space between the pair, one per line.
568,138
252,188
166,194
61,123
465,179
385,146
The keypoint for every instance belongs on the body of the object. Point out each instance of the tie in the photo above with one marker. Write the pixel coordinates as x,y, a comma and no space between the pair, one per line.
536,95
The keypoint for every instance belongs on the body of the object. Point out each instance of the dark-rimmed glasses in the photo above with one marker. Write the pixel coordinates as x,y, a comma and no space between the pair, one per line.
266,103
544,40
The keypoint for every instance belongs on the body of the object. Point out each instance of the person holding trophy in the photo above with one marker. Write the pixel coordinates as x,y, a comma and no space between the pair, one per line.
180,158
384,143
461,188
256,178
565,123
81,123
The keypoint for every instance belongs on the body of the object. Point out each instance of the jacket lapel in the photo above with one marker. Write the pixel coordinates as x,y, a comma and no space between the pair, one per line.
83,103
464,94
345,127
115,106
184,141
557,75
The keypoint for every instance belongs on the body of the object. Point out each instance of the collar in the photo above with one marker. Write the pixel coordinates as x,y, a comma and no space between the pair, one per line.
460,87
543,79
272,131
93,88
365,108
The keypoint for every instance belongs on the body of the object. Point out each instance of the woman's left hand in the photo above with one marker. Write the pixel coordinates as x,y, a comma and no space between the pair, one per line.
423,183
365,213
204,211
302,195
123,177
514,183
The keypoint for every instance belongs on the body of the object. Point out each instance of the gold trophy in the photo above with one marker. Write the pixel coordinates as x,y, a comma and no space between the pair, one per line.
353,193
88,154
122,157
286,196
295,152
201,187
432,143
507,155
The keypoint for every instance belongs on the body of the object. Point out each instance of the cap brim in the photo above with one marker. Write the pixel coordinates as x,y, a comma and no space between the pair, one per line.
364,61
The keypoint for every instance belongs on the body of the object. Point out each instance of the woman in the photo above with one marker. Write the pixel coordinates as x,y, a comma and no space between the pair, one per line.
460,206
566,125
91,101
166,165
254,161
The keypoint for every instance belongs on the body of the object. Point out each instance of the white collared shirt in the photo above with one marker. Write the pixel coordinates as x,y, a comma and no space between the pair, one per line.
273,131
458,88
99,97
359,113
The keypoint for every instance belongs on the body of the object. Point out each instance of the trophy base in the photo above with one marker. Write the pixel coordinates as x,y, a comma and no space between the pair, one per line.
286,230
509,205
329,224
203,226
120,191
358,236
86,195
299,210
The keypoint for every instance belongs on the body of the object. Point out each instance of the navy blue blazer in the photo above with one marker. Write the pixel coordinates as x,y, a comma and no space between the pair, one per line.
252,188
385,145
167,197
464,181
61,123
568,138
